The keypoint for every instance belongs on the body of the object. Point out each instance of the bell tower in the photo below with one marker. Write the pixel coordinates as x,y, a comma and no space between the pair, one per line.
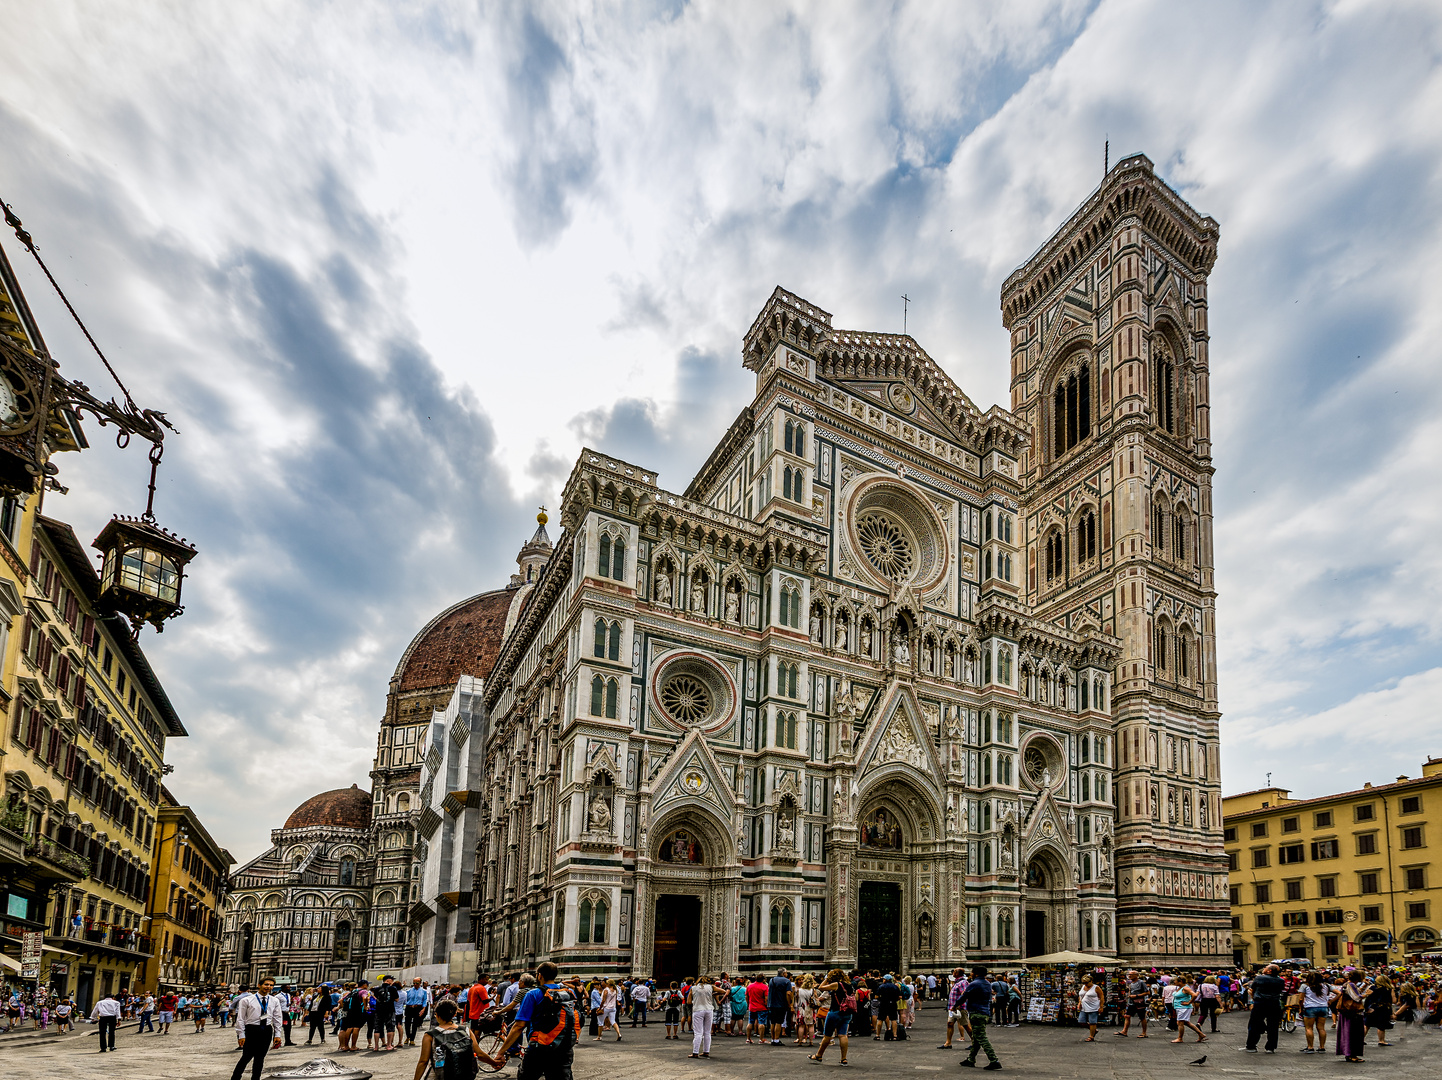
1108,324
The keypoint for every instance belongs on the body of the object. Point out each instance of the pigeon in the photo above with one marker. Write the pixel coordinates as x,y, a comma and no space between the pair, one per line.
1200,1061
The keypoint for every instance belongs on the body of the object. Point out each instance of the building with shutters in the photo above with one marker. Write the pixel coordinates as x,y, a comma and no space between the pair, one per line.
894,681
1345,878
189,880
83,760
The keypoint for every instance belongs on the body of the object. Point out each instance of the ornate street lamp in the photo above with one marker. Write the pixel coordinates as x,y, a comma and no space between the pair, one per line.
144,564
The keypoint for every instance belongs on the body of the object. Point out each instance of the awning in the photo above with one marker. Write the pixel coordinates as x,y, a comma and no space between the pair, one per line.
57,949
5,961
1074,958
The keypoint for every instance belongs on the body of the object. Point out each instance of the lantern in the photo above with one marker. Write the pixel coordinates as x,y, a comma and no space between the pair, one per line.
143,569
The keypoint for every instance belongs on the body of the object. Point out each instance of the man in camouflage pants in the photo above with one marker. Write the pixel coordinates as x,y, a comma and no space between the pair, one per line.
977,1001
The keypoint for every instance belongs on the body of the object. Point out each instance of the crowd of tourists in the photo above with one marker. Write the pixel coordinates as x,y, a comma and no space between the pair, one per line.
540,1018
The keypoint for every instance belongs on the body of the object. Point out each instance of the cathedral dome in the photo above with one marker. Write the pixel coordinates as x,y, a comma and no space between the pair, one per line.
348,808
465,639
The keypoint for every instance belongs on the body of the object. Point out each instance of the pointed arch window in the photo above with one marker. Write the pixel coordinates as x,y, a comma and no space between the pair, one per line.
618,559
612,692
1159,528
598,694
1071,410
1086,537
1166,392
613,647
603,563
347,872
1054,555
786,473
583,927
599,646
1083,687
1184,649
1161,648
790,428
1179,538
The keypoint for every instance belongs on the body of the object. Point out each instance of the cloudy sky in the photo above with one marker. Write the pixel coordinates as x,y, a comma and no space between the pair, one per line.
390,264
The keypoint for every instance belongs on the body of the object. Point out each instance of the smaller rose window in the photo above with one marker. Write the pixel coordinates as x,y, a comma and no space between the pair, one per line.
1036,764
886,546
686,698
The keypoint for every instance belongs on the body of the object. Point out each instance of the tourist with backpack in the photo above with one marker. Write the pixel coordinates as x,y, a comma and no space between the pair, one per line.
672,1002
842,1008
450,1049
551,1022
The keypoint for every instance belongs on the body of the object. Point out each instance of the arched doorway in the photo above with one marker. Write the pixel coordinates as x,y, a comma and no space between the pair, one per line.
1373,946
900,868
686,896
1049,905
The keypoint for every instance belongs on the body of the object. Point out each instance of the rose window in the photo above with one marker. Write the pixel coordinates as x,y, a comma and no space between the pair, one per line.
686,699
888,548
1035,764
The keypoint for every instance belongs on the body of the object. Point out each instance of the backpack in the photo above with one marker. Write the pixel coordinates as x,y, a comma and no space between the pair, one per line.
848,1004
452,1055
674,1000
554,1020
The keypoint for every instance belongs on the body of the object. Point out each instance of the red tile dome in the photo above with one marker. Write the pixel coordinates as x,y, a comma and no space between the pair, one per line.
348,808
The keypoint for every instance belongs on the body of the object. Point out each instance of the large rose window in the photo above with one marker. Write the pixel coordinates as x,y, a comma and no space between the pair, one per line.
686,699
887,547
897,533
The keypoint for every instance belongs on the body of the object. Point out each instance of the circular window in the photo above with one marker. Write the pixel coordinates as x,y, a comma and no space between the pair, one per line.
689,689
1041,761
898,534
686,699
887,547
1035,764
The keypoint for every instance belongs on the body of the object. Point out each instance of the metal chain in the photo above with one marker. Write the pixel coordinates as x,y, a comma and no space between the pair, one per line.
25,238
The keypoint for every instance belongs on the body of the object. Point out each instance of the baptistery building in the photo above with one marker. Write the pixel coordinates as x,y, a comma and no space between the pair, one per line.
894,681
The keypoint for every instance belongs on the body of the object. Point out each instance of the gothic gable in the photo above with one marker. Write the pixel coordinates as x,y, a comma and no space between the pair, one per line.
692,773
898,739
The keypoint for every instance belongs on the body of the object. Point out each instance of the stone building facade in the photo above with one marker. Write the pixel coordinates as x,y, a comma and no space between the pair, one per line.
304,910
895,681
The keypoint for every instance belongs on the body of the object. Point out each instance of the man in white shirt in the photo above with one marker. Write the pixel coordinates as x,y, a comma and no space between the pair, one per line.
640,996
107,1014
257,1025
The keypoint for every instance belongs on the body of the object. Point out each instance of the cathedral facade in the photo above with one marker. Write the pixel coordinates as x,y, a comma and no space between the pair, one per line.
894,682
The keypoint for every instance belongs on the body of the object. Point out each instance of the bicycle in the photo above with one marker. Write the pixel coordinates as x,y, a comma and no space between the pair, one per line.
1289,1019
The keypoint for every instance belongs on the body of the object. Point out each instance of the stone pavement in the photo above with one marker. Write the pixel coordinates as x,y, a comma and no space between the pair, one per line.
1031,1050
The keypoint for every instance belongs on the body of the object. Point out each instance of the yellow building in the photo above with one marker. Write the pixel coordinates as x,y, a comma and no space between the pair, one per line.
191,876
90,723
1345,878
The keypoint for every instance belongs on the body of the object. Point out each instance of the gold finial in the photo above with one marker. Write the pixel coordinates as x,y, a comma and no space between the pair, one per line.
541,517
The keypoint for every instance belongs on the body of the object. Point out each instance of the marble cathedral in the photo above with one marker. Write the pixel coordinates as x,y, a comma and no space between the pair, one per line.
894,682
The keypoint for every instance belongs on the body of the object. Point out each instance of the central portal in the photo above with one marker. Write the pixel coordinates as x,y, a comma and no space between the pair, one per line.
677,939
879,927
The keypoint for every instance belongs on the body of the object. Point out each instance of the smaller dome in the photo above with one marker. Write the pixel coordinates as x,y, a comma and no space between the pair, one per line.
347,808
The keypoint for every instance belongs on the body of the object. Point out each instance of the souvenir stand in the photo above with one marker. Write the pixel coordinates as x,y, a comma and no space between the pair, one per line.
1050,983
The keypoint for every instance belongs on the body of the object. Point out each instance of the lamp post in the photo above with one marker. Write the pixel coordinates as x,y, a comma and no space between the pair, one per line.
144,564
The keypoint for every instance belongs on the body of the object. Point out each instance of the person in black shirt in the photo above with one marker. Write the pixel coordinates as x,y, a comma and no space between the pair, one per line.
1266,1015
887,996
386,995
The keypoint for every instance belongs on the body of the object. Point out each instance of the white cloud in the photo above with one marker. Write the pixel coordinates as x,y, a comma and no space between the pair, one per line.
395,264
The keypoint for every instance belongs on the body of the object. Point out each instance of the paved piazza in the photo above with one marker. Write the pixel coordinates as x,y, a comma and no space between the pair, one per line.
1030,1050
